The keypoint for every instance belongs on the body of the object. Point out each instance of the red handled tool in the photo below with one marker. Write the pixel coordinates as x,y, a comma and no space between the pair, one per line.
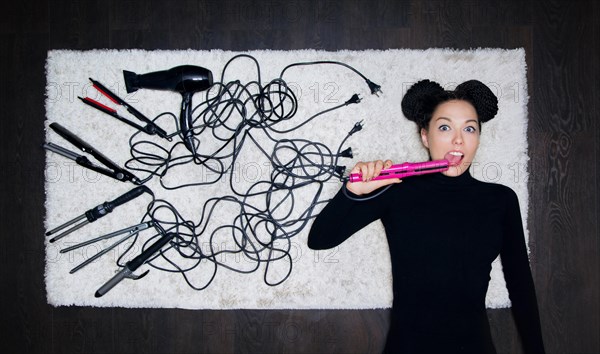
151,128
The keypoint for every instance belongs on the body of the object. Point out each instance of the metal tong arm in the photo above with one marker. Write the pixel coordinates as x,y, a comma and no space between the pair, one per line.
100,254
62,151
128,230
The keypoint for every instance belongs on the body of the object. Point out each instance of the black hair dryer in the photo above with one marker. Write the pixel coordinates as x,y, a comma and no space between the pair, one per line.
185,79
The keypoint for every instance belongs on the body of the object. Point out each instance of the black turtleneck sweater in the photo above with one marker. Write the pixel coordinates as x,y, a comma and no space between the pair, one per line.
443,234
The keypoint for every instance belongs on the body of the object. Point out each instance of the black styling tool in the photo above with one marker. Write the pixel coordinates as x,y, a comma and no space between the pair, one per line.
134,264
128,231
97,212
185,79
151,128
113,169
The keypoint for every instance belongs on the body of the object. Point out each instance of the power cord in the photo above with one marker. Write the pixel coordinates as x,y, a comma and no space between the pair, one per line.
267,215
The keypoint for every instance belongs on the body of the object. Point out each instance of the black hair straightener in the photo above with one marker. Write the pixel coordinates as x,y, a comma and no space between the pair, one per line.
113,170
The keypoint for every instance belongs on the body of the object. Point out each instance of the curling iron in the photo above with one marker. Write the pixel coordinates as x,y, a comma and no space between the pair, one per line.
128,231
134,264
97,212
407,169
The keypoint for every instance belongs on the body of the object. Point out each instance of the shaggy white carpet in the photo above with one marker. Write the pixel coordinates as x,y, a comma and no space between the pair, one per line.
354,275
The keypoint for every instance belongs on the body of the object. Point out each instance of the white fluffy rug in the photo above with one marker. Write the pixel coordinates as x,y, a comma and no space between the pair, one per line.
355,275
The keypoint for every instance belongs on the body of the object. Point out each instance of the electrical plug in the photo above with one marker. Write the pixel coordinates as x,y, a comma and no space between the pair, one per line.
374,87
340,170
354,99
347,153
357,127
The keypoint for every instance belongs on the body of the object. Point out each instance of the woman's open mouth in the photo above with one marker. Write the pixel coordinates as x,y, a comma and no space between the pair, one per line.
454,157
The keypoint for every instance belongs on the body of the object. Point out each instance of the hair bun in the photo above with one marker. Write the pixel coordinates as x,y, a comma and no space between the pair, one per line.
420,99
482,98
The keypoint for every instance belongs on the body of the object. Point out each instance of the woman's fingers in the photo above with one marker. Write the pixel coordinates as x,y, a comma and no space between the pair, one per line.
369,170
379,165
363,168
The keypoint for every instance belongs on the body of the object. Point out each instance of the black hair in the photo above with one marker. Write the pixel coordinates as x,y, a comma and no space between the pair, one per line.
422,98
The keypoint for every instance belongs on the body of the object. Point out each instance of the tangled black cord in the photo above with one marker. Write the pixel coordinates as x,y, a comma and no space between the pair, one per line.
223,123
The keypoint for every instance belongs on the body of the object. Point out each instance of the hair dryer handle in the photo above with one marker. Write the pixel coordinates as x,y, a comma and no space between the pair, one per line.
185,122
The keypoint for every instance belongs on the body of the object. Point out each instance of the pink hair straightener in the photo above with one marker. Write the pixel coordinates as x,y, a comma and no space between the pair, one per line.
407,169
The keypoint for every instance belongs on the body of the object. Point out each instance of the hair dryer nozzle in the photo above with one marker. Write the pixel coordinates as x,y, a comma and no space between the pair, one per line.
131,81
182,79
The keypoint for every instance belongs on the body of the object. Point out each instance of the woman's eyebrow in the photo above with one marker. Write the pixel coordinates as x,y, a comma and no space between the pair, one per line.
449,120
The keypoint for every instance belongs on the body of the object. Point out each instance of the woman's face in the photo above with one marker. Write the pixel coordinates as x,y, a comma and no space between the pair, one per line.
454,129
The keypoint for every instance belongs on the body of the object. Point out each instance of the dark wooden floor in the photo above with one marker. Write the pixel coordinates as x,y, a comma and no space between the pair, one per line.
561,39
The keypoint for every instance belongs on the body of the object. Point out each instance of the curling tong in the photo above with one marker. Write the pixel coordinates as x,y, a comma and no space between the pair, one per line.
128,231
151,128
113,170
407,169
97,212
134,264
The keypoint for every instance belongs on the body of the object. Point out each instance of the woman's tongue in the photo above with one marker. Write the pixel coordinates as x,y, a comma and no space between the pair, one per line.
454,160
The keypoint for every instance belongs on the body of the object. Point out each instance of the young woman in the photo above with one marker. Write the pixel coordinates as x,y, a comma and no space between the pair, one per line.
443,230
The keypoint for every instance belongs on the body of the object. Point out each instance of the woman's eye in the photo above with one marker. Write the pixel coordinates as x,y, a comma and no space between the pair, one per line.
470,129
444,128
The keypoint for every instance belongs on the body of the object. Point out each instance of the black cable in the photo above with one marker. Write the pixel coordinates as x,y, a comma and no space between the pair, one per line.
375,89
266,216
345,191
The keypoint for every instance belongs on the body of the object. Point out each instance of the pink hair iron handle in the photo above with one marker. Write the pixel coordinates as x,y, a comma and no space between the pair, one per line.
407,169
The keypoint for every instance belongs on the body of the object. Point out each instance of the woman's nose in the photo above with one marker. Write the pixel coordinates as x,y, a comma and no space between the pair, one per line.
458,139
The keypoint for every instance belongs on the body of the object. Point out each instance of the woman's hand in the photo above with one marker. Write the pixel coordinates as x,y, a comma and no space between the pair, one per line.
370,170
